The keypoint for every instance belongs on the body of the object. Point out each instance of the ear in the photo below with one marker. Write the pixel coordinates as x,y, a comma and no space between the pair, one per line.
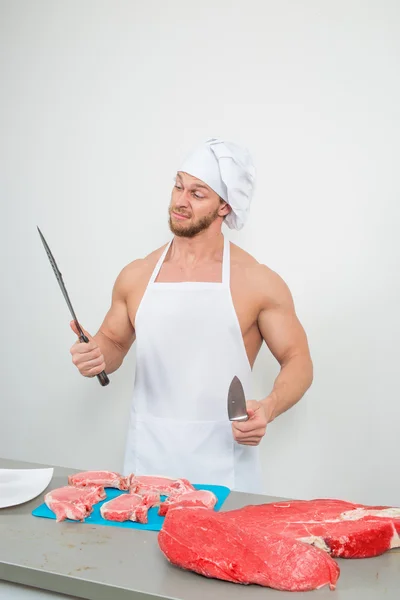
224,208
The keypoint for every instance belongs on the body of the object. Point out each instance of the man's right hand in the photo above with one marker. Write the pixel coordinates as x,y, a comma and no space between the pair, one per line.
87,357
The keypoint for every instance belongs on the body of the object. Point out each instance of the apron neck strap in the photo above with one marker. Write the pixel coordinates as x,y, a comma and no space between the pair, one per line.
159,263
226,263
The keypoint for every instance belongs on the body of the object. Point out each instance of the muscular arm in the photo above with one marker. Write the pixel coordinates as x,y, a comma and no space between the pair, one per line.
287,340
116,334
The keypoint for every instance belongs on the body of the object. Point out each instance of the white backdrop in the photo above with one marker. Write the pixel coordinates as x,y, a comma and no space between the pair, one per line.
99,102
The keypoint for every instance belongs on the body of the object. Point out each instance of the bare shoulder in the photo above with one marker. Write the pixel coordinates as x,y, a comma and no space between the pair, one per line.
137,271
266,286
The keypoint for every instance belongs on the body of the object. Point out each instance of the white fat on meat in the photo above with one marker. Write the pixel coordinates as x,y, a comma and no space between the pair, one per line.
360,513
316,541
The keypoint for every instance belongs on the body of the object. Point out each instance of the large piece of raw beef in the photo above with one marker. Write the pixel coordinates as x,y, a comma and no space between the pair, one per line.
203,541
103,478
266,544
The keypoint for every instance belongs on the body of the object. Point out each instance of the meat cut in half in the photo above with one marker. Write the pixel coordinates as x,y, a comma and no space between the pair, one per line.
165,486
107,479
200,498
129,507
73,503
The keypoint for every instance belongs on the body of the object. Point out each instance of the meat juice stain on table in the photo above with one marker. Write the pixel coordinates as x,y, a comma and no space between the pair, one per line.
286,545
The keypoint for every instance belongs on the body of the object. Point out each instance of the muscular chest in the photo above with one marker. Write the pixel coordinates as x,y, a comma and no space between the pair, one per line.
242,298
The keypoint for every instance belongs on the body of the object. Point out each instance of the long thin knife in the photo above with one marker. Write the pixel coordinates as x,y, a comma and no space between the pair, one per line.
102,377
237,401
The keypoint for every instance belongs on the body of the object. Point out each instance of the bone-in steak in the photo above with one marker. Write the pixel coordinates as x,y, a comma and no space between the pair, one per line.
203,498
104,478
129,507
74,503
163,485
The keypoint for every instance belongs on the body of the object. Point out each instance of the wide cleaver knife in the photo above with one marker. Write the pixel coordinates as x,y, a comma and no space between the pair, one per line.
102,377
237,401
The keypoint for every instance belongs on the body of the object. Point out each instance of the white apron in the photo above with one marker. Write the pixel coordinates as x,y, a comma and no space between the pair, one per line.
189,347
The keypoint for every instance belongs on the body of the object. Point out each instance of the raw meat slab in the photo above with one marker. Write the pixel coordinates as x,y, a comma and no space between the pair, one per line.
202,541
155,522
264,537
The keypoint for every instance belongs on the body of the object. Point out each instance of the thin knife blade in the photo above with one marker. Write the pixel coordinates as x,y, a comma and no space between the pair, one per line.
237,401
59,278
102,377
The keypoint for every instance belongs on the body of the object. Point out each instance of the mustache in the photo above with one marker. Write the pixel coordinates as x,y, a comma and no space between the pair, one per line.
179,212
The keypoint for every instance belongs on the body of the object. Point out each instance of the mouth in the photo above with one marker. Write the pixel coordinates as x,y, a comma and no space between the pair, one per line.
179,216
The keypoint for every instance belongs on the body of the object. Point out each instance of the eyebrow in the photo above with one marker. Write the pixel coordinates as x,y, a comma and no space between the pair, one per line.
200,185
196,185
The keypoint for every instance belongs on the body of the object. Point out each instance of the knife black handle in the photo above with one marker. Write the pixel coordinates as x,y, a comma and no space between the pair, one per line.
102,377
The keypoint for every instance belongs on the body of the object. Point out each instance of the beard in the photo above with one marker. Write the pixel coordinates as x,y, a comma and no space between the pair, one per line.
190,230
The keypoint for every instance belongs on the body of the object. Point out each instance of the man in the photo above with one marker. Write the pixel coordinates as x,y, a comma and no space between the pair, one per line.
200,309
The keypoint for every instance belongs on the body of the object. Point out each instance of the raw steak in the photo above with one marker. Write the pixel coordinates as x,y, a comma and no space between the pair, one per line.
199,498
211,545
341,528
104,478
129,507
72,502
163,485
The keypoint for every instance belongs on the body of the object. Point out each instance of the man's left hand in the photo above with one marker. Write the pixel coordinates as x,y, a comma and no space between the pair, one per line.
251,432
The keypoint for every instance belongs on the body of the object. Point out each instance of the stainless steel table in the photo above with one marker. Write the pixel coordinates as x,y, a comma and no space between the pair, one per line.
104,563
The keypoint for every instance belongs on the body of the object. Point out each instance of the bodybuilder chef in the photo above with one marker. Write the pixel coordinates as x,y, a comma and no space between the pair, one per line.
200,308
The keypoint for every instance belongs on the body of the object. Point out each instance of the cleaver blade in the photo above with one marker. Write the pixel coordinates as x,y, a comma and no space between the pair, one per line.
237,401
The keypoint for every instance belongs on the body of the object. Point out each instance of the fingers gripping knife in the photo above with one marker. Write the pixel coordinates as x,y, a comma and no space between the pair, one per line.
102,377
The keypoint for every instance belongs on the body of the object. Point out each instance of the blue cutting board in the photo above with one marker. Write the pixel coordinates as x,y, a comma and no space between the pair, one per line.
155,522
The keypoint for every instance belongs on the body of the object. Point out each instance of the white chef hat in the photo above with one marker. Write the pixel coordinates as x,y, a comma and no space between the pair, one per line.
228,170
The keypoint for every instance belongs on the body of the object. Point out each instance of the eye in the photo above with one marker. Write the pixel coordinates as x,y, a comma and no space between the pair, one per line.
198,196
178,186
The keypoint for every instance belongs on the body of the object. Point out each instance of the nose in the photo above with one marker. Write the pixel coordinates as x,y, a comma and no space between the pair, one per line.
182,199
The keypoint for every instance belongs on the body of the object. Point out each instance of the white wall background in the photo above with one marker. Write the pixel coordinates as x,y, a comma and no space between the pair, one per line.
99,102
